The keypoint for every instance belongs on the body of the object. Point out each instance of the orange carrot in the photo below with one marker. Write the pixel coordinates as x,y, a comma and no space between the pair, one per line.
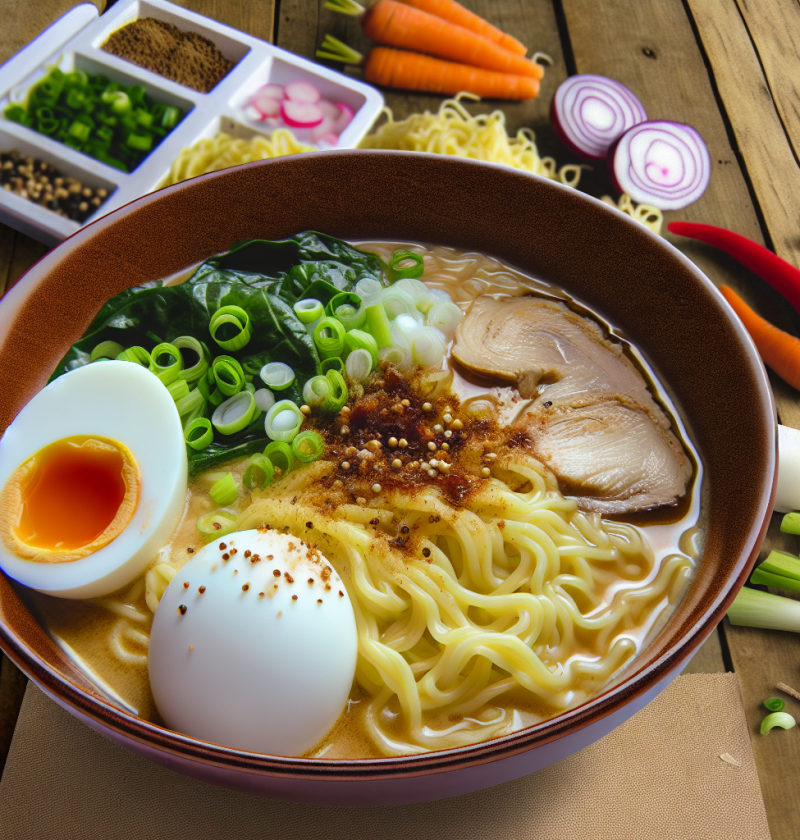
412,71
454,12
777,348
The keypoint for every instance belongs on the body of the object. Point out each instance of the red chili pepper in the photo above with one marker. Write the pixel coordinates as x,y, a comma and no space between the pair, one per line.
781,275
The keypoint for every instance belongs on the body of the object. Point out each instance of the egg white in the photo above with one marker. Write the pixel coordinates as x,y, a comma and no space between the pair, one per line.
259,672
126,403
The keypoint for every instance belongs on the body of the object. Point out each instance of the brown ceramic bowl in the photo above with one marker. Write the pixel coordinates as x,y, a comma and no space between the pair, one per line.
619,269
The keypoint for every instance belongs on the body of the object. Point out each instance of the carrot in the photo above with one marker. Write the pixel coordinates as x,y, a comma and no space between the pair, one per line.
777,348
411,71
397,25
454,12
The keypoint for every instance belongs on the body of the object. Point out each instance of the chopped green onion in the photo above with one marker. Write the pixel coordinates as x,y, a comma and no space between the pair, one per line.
790,524
137,355
360,340
780,570
338,395
200,367
329,338
171,370
775,704
265,399
216,397
404,263
191,406
80,131
277,375
378,325
444,315
308,446
369,289
781,719
349,309
224,491
239,322
258,473
140,142
334,363
283,421
106,350
217,524
428,347
316,391
280,455
234,414
199,434
170,117
398,356
309,311
398,302
753,608
228,375
359,365
178,389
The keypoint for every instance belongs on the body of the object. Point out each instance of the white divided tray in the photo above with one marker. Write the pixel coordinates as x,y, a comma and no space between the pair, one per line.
74,42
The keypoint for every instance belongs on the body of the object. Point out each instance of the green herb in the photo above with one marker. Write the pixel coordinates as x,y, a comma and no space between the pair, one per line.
774,704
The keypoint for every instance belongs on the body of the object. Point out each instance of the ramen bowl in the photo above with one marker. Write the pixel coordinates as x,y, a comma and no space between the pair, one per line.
620,270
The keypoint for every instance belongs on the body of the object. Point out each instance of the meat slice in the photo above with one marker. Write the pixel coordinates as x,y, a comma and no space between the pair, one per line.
593,420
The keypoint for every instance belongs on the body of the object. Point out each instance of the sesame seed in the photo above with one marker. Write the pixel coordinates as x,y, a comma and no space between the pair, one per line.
402,443
337,485
305,409
222,546
446,447
448,418
186,584
361,500
191,648
345,465
485,472
344,431
434,463
432,473
438,428
393,442
276,572
310,581
457,425
397,463
426,407
448,434
374,445
432,446
376,488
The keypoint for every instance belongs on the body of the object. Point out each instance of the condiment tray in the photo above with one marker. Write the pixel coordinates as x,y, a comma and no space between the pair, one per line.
74,42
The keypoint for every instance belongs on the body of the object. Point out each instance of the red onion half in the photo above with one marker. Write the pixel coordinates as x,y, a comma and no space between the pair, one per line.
661,163
590,112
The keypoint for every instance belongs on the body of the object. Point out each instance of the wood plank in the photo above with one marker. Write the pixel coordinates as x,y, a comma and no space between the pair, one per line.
707,660
256,17
12,690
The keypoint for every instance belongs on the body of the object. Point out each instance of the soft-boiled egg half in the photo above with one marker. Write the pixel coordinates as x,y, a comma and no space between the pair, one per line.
93,478
254,645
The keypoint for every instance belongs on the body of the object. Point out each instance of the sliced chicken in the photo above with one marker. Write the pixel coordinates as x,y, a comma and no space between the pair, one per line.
593,420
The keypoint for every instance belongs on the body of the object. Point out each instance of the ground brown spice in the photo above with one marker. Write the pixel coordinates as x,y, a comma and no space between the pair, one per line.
184,57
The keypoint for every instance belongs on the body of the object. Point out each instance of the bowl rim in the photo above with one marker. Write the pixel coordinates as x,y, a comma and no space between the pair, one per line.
610,700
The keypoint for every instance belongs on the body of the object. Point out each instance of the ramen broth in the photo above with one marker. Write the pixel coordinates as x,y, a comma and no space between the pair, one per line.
107,638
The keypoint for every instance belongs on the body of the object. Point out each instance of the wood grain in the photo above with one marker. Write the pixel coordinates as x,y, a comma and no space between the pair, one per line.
256,17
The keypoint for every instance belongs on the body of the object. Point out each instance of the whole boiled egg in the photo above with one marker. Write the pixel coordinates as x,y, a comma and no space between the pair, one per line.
93,478
254,645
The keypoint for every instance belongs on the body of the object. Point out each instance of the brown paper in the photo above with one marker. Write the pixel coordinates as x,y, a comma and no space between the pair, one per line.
659,775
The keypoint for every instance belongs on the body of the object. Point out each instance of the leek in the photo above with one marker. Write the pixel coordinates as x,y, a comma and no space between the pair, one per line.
780,570
781,719
238,331
791,523
224,492
753,608
308,446
280,455
259,472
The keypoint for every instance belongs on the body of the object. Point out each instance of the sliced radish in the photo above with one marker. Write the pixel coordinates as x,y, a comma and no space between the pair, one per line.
319,131
302,92
662,163
266,106
344,118
329,109
272,92
300,114
330,139
590,112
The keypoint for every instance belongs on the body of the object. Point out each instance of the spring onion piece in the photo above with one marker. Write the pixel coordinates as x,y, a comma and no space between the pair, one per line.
199,369
265,399
398,356
417,291
369,290
404,263
754,608
166,371
309,312
444,315
216,397
359,365
277,375
405,329
232,321
780,570
191,406
338,394
378,325
775,704
178,389
248,386
106,350
308,446
316,391
137,355
217,524
228,375
258,473
360,340
234,414
283,421
329,338
428,348
398,302
790,524
780,719
199,434
348,309
224,491
280,455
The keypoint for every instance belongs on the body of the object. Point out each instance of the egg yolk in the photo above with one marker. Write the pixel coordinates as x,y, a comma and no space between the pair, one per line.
71,498
72,494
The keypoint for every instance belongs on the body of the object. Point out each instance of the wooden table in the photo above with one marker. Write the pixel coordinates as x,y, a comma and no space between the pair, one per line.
731,69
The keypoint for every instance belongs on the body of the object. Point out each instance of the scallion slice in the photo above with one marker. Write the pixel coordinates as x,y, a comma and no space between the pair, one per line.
199,434
334,363
238,319
280,455
775,704
316,391
378,325
308,311
234,414
348,308
404,263
166,371
329,338
308,446
217,524
428,348
106,350
359,365
277,375
224,491
444,315
228,375
396,302
200,367
398,356
790,524
338,394
360,340
137,355
258,473
178,389
781,719
191,406
283,421
265,399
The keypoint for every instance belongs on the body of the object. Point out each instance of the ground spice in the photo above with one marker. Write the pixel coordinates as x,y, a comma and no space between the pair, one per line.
184,57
